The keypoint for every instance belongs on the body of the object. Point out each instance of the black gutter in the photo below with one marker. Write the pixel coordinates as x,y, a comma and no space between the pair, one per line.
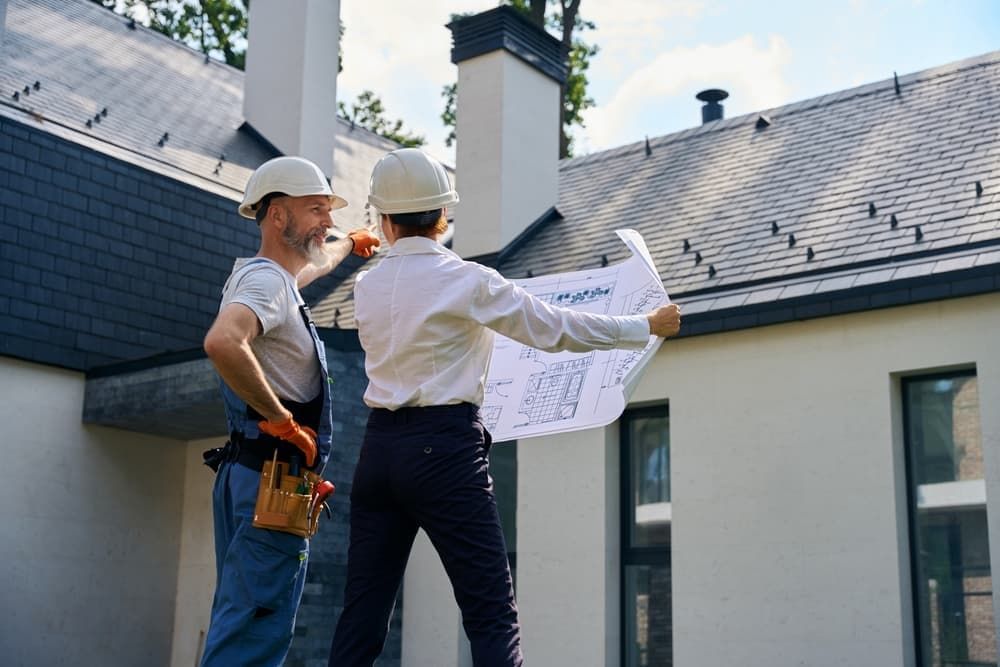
911,291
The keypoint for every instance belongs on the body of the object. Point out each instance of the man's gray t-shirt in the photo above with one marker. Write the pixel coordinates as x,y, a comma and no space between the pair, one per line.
285,348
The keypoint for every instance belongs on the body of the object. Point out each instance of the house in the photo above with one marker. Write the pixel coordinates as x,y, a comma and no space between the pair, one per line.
809,474
123,156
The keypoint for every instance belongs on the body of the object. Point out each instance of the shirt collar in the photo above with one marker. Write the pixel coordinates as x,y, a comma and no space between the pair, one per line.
417,245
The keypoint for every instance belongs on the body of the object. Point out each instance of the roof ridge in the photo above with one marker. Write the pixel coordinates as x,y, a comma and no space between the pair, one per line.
123,19
831,98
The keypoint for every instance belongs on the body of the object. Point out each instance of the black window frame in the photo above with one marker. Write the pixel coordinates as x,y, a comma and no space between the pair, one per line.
635,556
913,526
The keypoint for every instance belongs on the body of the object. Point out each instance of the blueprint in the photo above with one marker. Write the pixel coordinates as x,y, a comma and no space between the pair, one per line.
531,393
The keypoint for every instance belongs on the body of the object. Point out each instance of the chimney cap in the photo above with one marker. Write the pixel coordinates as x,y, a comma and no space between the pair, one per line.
712,95
506,28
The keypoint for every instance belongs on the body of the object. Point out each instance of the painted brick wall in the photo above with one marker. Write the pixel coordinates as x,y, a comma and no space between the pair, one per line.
102,261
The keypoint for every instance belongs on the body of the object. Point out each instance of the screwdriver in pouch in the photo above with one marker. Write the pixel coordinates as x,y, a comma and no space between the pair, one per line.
295,470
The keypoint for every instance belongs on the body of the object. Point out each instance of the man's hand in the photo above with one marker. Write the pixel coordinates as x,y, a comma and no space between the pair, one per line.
364,242
665,321
289,430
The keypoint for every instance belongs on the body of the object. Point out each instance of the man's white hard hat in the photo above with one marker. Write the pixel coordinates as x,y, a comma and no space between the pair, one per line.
408,180
287,175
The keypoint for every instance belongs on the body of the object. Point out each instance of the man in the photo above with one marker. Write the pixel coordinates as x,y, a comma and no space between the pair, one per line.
275,387
426,320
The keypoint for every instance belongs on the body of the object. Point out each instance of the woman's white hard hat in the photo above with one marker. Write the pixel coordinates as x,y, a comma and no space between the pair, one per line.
288,175
408,180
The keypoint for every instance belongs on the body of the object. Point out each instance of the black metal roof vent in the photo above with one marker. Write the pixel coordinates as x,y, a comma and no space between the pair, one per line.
712,109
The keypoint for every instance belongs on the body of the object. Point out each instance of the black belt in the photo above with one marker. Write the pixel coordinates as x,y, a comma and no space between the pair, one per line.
422,412
254,453
250,453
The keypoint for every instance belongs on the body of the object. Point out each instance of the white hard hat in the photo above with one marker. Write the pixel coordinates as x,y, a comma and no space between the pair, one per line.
408,180
292,176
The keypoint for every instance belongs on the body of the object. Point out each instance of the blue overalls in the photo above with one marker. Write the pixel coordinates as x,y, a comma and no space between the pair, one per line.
259,573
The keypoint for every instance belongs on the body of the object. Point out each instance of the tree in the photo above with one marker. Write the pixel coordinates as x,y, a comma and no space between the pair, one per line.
576,53
219,27
368,112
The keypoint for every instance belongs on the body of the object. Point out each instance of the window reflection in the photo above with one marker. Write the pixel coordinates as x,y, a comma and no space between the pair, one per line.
647,612
952,578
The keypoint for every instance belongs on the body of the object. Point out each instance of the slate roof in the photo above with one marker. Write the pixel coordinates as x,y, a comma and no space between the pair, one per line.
851,175
112,247
134,86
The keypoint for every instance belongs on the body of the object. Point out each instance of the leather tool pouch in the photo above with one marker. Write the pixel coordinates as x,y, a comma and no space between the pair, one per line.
287,502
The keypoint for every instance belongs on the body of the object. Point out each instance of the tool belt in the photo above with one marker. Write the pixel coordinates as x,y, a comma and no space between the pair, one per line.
250,453
288,501
289,498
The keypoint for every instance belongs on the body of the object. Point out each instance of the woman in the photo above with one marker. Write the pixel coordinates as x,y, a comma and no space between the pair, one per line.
426,321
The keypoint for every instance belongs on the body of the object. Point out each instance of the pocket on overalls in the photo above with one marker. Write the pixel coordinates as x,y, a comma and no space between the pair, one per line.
272,565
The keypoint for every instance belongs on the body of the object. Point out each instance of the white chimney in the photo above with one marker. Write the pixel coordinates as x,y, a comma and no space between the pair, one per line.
507,162
290,88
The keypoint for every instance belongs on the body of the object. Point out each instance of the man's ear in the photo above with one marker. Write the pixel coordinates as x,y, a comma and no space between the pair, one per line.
278,216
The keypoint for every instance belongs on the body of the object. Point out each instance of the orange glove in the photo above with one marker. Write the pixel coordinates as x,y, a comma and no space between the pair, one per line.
364,242
289,430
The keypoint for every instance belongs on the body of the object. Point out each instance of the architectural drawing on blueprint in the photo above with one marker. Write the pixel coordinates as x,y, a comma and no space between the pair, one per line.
491,411
620,362
554,394
531,392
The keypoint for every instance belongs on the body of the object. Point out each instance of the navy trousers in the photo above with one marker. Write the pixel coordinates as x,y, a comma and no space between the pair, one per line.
426,468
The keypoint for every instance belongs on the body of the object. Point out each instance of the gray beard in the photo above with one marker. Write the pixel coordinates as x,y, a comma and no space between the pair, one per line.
316,253
313,252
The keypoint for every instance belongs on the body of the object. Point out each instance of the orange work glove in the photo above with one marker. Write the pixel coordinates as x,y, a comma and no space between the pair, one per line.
364,242
289,430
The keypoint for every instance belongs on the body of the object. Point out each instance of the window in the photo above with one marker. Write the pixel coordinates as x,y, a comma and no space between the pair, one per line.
647,628
952,583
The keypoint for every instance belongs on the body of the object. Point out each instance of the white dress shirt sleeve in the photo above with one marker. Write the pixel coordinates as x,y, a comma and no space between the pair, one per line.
508,309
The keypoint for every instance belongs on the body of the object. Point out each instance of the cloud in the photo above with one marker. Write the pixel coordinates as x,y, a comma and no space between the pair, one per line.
628,30
752,75
403,54
628,21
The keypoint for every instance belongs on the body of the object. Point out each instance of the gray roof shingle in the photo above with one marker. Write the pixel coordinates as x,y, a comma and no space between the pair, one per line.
134,86
831,171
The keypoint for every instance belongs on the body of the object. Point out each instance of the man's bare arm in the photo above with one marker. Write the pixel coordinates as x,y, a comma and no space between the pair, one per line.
227,345
333,254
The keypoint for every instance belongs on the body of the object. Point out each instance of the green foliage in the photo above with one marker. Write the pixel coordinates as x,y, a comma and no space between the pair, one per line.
448,115
214,27
369,112
575,98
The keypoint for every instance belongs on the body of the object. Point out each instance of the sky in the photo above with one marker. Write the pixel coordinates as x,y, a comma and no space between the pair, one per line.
655,55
